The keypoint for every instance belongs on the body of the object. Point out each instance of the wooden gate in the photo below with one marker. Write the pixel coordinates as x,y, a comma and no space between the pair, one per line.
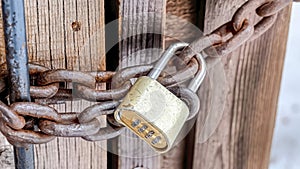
70,34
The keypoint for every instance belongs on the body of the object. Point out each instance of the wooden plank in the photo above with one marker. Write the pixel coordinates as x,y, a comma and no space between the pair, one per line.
253,74
69,35
180,20
140,19
6,154
181,25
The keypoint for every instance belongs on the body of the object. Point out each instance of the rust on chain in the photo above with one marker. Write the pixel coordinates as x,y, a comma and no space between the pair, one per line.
246,12
267,11
106,133
88,79
262,26
97,110
36,69
61,97
101,95
243,26
39,111
24,136
54,76
69,129
47,91
111,120
124,75
272,8
182,75
101,76
111,131
234,42
199,45
10,117
128,73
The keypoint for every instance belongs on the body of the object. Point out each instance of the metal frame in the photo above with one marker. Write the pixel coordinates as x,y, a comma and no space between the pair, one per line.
17,63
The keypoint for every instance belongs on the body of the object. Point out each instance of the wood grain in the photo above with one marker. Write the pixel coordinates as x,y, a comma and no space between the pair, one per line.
140,19
69,35
180,21
253,75
131,26
181,25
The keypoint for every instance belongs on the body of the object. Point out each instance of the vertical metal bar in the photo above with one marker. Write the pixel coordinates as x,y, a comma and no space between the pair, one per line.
17,63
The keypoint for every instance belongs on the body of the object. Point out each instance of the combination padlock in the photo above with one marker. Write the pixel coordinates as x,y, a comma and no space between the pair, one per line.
151,111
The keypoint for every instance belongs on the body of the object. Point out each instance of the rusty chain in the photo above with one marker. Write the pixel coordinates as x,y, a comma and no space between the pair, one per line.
249,22
48,123
50,87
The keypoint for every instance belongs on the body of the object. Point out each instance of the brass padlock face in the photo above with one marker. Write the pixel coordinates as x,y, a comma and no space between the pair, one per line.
143,128
153,113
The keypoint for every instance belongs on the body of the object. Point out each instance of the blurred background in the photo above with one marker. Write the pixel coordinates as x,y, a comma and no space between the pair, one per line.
286,141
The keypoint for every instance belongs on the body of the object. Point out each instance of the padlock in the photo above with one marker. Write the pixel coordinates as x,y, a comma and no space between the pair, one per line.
151,111
189,96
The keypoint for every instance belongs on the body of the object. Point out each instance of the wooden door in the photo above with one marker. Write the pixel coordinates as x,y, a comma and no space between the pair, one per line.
70,35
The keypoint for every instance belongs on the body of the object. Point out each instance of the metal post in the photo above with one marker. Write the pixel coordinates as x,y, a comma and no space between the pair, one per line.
17,63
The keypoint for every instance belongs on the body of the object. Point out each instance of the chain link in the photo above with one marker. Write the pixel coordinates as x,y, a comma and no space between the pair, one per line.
59,86
48,123
249,22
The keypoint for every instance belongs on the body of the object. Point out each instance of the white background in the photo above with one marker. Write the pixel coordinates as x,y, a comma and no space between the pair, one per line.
286,141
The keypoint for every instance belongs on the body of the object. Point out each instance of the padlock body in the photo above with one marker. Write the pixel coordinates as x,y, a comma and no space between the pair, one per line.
153,113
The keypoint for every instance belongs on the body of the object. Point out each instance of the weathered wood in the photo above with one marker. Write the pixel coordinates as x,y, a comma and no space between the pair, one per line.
140,19
180,17
253,72
67,34
181,25
6,154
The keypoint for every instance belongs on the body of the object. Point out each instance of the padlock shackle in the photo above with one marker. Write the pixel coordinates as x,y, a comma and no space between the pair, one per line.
165,58
168,54
198,79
